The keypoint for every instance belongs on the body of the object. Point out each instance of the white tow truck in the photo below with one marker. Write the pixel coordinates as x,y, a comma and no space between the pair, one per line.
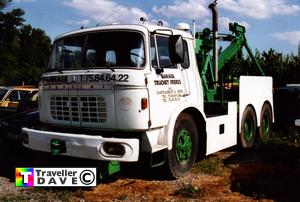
134,93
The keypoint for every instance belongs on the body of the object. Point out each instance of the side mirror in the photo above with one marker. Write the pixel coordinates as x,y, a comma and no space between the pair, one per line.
176,49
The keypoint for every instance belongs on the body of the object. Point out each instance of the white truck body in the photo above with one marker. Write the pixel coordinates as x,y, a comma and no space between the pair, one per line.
69,98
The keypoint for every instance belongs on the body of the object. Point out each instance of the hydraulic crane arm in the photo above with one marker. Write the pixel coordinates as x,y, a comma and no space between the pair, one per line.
204,47
239,41
211,63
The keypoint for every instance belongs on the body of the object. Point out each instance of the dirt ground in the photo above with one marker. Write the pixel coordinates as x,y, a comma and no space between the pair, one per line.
270,172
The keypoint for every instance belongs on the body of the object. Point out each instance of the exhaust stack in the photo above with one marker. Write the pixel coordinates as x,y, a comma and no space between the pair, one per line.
214,11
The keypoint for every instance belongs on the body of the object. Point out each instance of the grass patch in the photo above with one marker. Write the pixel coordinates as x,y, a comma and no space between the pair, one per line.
123,197
13,197
212,165
187,191
287,136
39,194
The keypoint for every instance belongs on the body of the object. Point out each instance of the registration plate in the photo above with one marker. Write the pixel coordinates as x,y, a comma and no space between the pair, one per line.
57,146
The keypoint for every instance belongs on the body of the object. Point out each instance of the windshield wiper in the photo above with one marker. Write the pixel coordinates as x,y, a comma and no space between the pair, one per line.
60,70
108,66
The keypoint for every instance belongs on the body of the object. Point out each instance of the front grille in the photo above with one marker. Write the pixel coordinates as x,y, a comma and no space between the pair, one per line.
88,109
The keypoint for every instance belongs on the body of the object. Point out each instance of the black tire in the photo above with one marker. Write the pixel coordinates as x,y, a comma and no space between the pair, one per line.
182,157
265,122
248,129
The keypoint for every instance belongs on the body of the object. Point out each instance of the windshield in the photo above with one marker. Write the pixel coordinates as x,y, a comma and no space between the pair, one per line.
2,93
118,49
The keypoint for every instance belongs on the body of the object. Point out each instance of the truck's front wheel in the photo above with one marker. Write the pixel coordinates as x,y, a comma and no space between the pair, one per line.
185,142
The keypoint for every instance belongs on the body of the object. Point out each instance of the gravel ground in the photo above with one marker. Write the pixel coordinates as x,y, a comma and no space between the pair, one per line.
269,173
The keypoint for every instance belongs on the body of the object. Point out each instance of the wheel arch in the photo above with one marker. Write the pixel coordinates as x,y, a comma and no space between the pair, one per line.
201,129
200,122
258,109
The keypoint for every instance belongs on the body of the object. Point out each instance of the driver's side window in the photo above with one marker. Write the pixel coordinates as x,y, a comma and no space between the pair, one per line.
160,52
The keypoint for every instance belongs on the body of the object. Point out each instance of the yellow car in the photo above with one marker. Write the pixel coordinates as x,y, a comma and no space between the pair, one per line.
11,96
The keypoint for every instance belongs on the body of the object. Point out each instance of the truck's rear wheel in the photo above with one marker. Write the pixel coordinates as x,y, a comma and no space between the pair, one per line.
185,142
265,122
248,128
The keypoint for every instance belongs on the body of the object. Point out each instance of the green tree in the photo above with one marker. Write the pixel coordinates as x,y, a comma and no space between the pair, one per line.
9,22
33,55
283,68
24,51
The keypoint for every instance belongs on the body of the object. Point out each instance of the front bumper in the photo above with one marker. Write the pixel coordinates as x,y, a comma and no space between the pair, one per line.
81,145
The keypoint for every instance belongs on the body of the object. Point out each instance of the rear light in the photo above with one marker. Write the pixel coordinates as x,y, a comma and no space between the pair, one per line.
144,103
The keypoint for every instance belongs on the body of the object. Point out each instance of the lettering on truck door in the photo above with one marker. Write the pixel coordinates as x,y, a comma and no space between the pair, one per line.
167,88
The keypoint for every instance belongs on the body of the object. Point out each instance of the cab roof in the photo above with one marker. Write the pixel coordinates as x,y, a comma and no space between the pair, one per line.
137,27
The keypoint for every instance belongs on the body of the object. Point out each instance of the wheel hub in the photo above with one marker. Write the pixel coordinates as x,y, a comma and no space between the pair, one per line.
248,129
266,124
184,146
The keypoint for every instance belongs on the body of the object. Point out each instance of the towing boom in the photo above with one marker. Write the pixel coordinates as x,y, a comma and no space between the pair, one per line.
206,44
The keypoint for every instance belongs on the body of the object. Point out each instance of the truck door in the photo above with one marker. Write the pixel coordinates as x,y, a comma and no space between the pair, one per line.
167,83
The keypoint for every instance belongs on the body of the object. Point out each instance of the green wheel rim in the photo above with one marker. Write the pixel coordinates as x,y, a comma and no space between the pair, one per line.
249,129
184,146
266,125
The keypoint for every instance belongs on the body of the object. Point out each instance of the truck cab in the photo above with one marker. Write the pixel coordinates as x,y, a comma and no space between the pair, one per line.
107,78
